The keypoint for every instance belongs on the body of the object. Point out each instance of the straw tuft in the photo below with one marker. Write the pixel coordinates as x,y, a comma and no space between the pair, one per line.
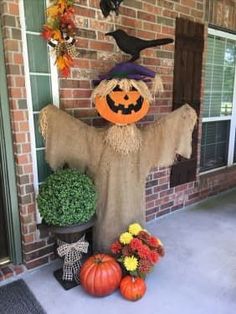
43,124
124,139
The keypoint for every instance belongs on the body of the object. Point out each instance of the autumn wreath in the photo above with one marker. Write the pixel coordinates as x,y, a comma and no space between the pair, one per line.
59,31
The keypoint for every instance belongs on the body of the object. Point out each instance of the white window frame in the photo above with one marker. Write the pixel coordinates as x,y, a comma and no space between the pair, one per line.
55,95
232,117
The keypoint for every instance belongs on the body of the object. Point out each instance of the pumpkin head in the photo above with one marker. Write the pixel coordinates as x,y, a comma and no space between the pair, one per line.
122,107
132,288
122,96
100,275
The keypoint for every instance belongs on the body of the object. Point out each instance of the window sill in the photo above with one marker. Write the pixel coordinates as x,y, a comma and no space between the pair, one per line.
218,171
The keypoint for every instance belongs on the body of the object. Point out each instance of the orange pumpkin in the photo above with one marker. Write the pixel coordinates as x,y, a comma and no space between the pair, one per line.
100,275
132,288
121,107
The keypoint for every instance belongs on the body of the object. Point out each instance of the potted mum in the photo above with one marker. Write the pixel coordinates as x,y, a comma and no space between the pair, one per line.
137,251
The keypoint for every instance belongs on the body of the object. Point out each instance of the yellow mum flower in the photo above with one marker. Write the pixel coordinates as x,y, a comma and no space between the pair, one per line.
131,263
135,228
125,238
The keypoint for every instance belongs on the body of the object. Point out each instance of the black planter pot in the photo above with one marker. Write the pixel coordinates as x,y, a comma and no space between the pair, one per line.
71,234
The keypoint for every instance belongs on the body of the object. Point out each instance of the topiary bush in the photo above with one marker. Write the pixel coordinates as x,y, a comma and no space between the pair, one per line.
67,197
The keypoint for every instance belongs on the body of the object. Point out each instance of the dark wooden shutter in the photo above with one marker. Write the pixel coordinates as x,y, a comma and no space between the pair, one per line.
189,44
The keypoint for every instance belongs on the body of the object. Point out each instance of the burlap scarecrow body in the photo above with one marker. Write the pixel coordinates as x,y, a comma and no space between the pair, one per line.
119,171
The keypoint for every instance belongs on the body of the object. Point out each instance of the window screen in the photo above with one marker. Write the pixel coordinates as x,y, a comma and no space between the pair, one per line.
214,146
40,74
219,120
219,77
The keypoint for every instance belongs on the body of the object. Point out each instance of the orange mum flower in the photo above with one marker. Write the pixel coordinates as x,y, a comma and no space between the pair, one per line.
144,266
153,256
135,244
144,252
153,242
116,247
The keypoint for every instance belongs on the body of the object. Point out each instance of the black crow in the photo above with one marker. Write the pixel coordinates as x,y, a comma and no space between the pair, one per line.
110,5
133,45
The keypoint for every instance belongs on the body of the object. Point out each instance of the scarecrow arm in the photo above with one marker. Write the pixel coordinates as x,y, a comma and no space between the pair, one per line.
69,140
169,136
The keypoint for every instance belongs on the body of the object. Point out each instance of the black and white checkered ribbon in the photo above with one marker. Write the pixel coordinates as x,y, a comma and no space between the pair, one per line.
72,253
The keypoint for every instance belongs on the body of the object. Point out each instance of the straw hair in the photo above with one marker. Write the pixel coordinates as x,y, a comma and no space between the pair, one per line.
124,139
125,85
142,89
157,85
106,87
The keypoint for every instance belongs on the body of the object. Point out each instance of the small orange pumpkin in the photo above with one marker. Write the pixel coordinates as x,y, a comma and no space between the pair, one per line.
132,288
100,275
121,107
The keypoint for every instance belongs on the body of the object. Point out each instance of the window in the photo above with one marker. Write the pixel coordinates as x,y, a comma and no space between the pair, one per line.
218,145
41,79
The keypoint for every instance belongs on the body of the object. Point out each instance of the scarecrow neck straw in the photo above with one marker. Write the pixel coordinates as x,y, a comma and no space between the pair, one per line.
124,139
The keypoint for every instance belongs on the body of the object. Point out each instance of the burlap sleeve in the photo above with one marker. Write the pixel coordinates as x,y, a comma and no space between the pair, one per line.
69,140
169,136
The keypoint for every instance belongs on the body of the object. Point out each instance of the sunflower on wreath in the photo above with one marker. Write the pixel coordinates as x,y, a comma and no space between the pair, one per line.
59,31
137,251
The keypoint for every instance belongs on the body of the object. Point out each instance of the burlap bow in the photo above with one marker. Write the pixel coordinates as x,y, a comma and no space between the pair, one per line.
72,253
65,47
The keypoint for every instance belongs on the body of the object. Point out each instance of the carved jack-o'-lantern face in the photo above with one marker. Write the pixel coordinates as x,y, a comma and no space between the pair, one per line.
122,107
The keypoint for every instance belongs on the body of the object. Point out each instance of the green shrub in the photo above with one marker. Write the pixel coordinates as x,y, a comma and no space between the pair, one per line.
67,197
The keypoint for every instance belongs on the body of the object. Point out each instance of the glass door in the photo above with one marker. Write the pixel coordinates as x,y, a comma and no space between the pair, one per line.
10,236
4,253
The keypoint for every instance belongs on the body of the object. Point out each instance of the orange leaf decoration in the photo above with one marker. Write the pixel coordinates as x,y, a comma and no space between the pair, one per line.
62,3
63,64
47,32
56,34
53,11
68,60
60,63
65,72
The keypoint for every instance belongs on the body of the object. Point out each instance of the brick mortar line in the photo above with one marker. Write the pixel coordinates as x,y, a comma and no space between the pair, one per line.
38,258
38,249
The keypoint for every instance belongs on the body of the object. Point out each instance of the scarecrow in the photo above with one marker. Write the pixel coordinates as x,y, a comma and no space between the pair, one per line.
120,157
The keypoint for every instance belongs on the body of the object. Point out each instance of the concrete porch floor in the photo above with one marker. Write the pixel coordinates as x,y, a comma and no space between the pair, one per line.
197,275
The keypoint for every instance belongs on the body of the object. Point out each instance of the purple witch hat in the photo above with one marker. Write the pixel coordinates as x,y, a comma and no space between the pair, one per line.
127,70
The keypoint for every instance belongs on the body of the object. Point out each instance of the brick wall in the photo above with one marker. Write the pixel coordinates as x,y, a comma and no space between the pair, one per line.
97,54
